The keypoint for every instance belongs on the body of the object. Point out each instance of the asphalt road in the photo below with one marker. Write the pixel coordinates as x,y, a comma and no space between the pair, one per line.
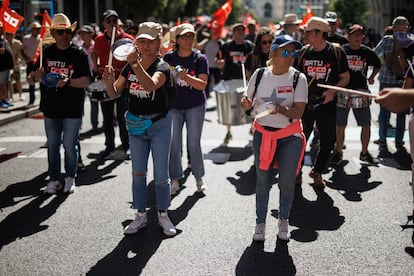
357,226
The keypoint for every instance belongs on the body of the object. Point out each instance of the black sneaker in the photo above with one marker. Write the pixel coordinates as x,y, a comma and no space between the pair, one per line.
337,158
367,157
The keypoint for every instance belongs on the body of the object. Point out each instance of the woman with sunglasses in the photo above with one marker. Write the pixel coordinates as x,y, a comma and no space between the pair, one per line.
278,140
261,50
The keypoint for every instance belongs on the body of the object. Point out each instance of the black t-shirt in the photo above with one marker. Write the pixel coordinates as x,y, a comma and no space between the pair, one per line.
337,38
140,101
358,62
234,55
6,59
323,67
66,101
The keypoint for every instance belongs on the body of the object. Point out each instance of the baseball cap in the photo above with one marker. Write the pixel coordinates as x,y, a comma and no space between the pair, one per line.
317,23
109,13
283,40
149,30
354,28
184,29
331,17
400,20
86,29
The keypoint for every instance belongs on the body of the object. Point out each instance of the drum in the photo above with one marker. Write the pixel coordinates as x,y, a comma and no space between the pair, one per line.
228,96
97,91
122,48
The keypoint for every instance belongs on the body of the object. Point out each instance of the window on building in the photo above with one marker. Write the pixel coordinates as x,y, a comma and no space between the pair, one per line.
268,10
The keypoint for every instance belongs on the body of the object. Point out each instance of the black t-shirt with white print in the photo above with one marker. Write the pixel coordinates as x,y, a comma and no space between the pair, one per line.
140,101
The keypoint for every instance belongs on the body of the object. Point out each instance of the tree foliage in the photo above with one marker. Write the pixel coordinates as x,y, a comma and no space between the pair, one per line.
350,11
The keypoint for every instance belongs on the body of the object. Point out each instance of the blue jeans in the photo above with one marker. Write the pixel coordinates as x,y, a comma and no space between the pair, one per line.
194,119
66,131
383,119
156,139
287,153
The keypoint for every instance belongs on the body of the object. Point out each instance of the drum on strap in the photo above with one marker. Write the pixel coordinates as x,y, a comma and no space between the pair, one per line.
97,91
228,96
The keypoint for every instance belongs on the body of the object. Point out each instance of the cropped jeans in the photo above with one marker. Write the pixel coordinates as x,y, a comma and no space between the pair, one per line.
62,131
194,119
288,152
157,140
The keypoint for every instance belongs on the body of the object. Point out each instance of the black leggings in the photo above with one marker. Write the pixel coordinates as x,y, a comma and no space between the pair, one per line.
325,118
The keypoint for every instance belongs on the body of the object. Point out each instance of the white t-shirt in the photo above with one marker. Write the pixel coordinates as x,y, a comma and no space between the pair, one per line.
277,88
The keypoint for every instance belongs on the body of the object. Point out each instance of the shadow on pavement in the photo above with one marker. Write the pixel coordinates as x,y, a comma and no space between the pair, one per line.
97,171
246,183
230,153
27,220
311,216
134,251
255,261
352,185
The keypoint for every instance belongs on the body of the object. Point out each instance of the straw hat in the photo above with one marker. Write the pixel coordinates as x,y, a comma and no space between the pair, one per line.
61,22
290,18
35,25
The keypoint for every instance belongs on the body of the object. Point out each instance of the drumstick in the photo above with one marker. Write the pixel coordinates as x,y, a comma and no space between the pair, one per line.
244,77
346,90
411,66
262,114
312,79
41,53
110,50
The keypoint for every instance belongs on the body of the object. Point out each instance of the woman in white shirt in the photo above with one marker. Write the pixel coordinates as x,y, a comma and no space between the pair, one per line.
278,141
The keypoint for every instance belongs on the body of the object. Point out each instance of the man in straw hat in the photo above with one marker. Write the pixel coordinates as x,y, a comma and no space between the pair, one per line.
65,74
28,51
290,24
102,50
325,63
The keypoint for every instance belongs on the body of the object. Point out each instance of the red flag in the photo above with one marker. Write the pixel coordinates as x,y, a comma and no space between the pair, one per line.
11,19
308,15
46,22
220,17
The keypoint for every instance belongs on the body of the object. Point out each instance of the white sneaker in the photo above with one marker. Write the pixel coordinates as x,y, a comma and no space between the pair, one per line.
166,224
283,233
259,232
200,185
52,187
69,185
139,222
175,186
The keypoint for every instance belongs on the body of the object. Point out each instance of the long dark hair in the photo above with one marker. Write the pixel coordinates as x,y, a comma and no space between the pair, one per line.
257,51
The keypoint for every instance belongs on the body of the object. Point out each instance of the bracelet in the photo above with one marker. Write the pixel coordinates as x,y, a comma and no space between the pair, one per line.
135,65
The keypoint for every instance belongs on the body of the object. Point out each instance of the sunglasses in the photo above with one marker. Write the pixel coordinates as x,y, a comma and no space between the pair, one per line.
265,42
66,31
111,21
286,53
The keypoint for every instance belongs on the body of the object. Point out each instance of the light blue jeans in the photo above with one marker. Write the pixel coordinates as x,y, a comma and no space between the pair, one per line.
287,153
194,119
62,131
157,140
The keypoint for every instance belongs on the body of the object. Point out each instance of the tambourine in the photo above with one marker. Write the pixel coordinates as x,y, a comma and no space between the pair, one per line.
122,48
50,79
